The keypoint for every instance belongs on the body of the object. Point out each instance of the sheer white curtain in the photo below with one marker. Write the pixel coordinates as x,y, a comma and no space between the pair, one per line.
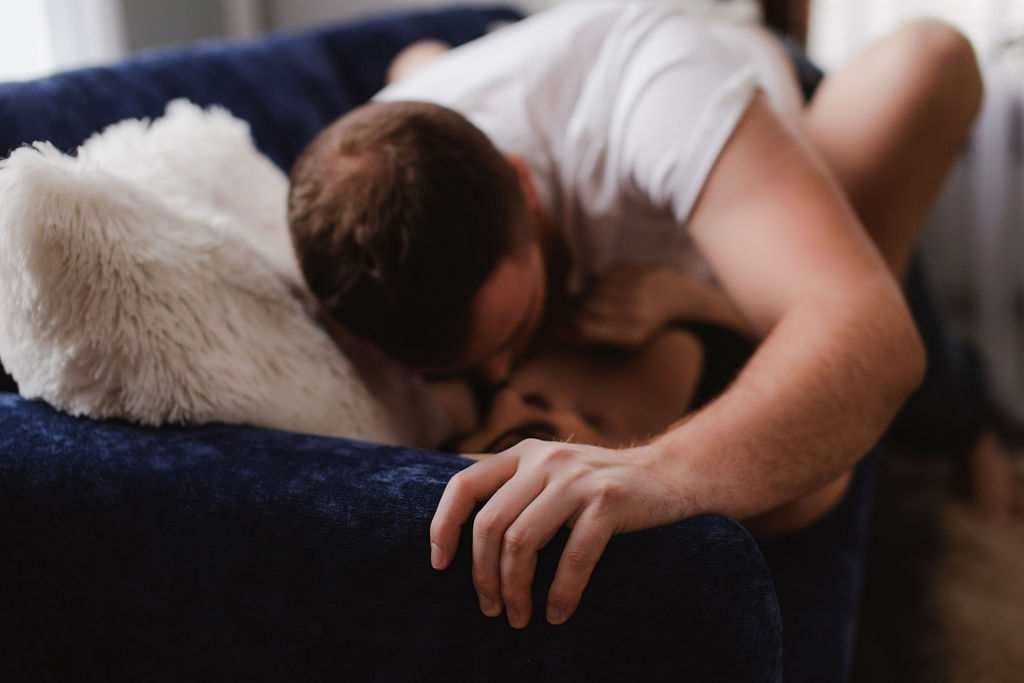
43,36
25,50
840,27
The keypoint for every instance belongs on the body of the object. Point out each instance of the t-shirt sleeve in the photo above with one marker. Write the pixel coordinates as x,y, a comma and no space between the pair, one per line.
681,113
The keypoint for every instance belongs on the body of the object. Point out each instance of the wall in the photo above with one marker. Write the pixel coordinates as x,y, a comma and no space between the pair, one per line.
150,23
296,13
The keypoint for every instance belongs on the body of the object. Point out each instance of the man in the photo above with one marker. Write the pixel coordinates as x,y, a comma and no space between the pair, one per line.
636,134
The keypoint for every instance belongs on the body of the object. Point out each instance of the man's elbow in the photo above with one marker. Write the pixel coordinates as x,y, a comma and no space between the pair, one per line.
897,351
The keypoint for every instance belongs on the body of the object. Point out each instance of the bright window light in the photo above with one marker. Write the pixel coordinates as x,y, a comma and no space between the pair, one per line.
43,36
25,47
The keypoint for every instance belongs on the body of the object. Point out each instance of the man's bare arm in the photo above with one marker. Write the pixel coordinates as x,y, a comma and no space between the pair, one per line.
840,353
840,356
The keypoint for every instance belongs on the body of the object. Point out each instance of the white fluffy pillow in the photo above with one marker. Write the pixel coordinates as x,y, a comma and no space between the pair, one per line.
151,277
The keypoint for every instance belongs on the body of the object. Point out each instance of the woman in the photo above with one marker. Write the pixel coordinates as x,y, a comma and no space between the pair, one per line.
615,397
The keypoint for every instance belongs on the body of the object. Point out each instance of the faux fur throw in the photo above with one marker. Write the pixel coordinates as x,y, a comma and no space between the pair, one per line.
151,277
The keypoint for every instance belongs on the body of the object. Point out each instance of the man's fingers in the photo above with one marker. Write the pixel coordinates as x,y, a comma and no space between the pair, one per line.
464,490
611,331
609,302
530,532
489,529
584,548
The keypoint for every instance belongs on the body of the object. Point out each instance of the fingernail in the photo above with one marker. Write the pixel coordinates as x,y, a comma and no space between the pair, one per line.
513,618
488,607
436,557
555,615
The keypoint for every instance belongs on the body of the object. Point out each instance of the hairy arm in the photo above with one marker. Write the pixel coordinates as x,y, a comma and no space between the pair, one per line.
840,354
840,351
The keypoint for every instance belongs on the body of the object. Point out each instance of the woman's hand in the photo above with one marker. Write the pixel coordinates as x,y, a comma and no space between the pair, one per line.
535,488
631,304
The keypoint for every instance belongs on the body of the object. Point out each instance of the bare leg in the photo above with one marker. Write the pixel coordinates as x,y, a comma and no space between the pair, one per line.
890,125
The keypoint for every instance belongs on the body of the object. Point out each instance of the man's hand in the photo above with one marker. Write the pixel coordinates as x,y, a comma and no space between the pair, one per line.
535,488
632,303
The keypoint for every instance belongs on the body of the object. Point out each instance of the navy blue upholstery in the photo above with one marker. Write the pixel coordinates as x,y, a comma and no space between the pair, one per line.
235,552
244,553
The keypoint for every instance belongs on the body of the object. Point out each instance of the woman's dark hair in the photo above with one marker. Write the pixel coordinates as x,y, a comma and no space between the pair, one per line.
398,213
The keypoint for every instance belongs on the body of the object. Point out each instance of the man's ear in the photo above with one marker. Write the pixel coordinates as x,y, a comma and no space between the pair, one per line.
525,181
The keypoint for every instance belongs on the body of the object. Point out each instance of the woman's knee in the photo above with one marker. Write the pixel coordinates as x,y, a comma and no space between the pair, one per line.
942,60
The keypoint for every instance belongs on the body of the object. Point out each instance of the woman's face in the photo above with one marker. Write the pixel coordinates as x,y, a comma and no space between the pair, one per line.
602,397
514,416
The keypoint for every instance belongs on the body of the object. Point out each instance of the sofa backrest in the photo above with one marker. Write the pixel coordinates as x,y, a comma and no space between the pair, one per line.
288,85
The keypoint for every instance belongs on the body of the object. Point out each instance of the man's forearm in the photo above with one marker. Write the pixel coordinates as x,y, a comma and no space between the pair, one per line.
815,397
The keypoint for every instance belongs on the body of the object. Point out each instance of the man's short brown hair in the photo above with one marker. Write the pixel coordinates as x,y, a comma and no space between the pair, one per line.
398,212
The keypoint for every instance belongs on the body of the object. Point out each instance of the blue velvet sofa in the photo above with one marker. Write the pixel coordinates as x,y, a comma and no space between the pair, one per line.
239,553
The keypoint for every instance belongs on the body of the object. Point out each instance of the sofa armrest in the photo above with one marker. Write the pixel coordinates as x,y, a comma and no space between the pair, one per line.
134,552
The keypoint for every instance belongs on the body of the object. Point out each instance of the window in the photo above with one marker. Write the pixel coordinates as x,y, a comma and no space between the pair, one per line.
25,50
49,35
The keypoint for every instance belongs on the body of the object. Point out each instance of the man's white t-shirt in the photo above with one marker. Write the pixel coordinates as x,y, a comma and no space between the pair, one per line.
619,109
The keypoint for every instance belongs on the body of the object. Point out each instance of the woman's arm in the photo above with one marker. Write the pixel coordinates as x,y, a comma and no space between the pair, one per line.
631,304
